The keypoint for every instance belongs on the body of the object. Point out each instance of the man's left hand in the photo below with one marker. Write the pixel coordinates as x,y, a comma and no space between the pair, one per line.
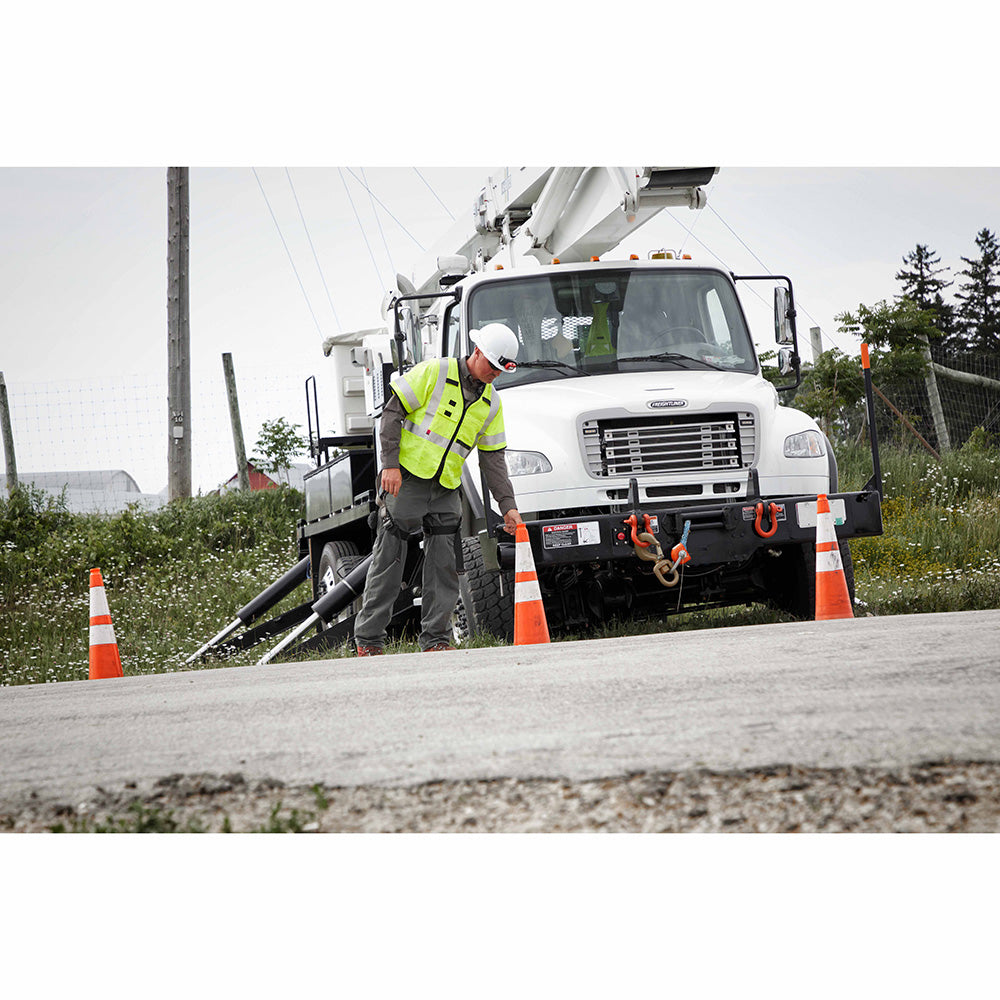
511,520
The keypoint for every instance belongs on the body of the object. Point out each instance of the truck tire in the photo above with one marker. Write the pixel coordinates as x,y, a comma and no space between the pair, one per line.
336,561
482,609
791,579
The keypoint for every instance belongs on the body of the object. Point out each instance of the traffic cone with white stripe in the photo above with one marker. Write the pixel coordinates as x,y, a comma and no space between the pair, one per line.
104,658
832,597
530,625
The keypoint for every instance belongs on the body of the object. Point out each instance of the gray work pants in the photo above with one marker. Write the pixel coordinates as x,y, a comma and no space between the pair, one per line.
421,503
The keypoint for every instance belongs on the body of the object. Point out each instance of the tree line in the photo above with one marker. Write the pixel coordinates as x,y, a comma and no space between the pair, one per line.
914,338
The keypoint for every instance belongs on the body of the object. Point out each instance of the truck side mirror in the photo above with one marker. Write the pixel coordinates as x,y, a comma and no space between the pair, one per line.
786,361
784,320
408,334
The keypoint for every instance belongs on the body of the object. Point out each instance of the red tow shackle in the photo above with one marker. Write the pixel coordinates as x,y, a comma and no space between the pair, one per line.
774,511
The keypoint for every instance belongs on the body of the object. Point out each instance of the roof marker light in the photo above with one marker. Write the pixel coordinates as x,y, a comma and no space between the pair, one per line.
594,258
633,256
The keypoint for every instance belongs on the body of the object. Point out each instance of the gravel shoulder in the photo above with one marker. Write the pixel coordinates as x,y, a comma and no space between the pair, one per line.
933,797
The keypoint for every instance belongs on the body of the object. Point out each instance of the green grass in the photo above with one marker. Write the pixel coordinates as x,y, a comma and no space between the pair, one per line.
941,546
176,576
173,578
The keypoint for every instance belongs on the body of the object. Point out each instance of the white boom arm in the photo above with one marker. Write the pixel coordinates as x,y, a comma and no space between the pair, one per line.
572,213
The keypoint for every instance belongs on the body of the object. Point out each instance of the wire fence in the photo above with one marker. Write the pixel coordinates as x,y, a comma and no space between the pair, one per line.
101,427
965,407
113,434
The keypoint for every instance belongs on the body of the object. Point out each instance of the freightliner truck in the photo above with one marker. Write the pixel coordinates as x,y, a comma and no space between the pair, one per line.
654,464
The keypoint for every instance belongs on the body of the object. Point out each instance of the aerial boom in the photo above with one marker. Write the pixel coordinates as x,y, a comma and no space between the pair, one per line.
529,214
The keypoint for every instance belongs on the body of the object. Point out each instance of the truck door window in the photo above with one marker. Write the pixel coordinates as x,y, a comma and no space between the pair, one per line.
452,323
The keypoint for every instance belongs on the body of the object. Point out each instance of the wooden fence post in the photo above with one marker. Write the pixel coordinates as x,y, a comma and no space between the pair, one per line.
234,417
8,437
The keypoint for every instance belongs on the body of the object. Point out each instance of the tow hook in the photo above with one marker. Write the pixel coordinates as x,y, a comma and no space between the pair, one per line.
633,522
774,510
648,548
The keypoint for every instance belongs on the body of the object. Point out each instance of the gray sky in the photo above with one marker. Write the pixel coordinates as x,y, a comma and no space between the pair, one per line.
83,252
83,269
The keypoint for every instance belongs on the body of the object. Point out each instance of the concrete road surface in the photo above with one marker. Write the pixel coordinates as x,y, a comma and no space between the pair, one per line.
868,691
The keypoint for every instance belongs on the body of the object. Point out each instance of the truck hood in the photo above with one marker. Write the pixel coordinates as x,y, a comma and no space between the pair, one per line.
540,408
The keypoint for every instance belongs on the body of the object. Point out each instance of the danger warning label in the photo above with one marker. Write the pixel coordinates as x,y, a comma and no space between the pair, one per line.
560,536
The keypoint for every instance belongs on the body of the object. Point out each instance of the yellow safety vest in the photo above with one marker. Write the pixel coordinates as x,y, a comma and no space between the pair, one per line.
599,339
441,429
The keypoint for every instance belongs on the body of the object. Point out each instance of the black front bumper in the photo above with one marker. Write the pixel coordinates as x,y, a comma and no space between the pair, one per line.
728,533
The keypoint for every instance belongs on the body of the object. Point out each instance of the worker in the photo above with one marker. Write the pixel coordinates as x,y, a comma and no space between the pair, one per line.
436,414
599,343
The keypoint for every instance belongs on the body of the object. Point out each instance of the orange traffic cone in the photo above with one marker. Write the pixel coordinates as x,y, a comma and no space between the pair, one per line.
529,612
832,597
104,659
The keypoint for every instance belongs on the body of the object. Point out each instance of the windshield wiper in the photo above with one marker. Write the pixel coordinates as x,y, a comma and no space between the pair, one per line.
674,356
561,365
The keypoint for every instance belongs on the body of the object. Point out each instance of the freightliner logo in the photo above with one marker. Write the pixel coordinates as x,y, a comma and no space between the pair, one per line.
659,404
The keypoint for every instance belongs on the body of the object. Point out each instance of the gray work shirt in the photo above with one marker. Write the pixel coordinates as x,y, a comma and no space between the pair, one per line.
493,463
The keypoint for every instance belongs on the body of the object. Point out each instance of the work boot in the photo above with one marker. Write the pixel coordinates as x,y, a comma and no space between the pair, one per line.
369,650
438,648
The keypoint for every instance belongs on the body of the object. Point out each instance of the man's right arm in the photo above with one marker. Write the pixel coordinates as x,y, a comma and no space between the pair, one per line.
389,436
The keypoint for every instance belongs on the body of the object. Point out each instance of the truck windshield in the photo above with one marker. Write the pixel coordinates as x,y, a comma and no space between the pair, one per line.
575,323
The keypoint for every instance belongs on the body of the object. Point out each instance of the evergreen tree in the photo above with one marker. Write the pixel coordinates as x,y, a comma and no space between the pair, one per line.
979,298
922,286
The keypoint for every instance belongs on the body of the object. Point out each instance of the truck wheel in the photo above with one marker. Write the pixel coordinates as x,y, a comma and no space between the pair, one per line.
791,579
482,610
336,561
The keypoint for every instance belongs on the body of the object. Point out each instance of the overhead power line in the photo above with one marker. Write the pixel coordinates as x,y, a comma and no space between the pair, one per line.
798,304
313,248
288,252
392,267
386,210
364,235
433,192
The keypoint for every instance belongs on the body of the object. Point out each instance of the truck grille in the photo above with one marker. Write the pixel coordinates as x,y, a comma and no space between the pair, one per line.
646,446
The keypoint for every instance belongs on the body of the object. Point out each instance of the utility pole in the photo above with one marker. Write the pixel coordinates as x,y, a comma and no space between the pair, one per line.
178,336
8,438
234,418
816,341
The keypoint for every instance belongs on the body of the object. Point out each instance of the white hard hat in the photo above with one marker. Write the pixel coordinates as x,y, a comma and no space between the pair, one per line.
499,345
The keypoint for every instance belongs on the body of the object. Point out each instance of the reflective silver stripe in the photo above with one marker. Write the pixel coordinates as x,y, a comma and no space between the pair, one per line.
828,562
423,432
442,378
524,562
98,602
527,590
431,408
403,389
102,635
458,448
493,441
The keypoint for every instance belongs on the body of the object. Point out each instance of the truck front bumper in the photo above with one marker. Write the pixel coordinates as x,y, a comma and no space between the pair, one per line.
719,534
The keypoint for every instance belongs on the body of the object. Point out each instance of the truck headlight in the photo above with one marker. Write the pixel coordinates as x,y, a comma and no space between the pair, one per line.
527,463
808,444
